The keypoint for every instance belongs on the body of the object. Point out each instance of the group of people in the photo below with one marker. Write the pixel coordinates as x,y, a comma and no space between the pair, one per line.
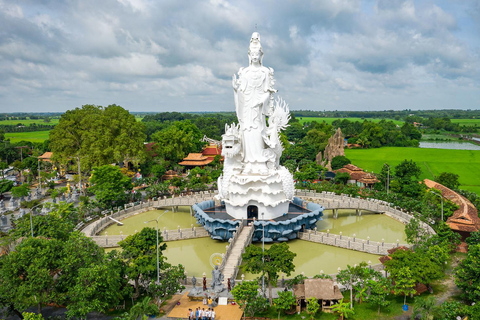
201,314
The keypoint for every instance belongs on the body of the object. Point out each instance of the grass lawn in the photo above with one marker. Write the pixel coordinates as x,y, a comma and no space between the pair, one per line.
465,163
363,311
28,122
330,120
34,136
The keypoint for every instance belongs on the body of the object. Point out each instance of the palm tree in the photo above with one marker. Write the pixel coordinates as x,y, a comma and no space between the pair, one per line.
142,308
343,309
425,308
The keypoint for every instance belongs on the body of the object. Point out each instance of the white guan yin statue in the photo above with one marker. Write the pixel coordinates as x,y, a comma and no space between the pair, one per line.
253,184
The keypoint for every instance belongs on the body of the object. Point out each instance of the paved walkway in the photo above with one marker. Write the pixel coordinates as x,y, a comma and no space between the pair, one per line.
235,257
180,311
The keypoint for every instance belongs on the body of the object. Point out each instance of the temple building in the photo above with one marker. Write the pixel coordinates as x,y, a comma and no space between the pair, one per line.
202,159
195,160
358,176
465,220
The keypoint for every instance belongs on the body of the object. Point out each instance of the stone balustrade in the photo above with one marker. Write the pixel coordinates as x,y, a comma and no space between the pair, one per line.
351,243
110,241
332,201
229,247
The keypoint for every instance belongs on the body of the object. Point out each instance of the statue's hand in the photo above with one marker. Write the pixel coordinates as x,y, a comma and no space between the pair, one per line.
235,83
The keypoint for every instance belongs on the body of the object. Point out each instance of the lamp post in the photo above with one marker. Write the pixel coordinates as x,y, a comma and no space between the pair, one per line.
263,254
388,176
31,219
156,220
441,198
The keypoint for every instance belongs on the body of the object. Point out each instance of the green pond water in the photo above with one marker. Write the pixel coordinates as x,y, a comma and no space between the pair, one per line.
170,220
375,226
195,254
313,257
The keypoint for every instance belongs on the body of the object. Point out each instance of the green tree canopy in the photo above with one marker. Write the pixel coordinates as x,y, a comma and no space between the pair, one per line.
247,296
408,169
178,140
110,186
139,251
278,258
448,179
96,136
468,274
339,161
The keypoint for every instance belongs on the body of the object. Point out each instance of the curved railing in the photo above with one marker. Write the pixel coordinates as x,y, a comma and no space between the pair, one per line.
333,201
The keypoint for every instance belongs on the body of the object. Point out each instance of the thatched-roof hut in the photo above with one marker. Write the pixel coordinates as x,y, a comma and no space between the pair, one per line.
320,289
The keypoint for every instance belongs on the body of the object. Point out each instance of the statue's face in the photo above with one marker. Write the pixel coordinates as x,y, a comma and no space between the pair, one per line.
255,56
255,37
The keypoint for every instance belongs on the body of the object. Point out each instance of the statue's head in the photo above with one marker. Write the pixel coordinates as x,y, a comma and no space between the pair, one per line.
231,141
255,51
255,37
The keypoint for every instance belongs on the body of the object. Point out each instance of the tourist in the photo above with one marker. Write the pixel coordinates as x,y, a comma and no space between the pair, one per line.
213,314
204,314
209,314
197,313
209,301
205,300
189,314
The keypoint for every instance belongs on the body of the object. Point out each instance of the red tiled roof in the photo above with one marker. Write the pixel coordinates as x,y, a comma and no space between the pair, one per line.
195,157
355,173
195,163
195,160
211,151
466,217
46,156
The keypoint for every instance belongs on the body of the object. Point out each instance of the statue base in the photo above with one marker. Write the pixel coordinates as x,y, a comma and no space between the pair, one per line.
259,196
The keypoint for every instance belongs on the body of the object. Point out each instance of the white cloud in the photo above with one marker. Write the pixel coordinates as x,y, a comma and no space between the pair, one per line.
155,55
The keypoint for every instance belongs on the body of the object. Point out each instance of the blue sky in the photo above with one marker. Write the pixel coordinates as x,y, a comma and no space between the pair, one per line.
180,55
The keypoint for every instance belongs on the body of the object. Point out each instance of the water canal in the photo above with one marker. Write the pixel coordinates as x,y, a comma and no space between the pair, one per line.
195,254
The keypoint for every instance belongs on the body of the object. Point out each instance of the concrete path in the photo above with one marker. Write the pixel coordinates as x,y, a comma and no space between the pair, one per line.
235,257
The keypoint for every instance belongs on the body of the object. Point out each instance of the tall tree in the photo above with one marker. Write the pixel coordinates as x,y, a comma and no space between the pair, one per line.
109,185
139,251
178,140
284,302
98,287
73,136
119,137
27,273
247,296
468,274
96,136
448,179
278,258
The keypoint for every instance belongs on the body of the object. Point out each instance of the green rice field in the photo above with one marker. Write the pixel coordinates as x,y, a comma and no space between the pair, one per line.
33,136
29,122
330,120
467,122
465,163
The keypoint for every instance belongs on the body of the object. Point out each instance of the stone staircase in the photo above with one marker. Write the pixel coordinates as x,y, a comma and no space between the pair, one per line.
234,259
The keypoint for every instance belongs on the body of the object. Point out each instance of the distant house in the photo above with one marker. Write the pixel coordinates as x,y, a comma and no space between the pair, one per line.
358,176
